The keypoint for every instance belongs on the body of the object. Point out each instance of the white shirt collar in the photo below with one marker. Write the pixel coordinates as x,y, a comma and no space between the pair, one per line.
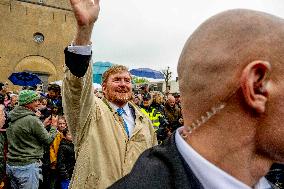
128,117
125,107
209,175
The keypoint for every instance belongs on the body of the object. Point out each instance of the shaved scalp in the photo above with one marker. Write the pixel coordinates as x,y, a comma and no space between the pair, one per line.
212,59
172,98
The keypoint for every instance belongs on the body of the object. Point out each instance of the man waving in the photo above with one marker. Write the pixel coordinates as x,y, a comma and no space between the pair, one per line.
109,133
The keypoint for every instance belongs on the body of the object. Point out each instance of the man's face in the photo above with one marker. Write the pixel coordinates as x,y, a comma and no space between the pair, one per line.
146,102
136,100
118,89
52,94
270,130
34,105
171,102
177,99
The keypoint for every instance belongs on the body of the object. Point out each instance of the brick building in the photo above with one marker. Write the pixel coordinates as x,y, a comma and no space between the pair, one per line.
33,36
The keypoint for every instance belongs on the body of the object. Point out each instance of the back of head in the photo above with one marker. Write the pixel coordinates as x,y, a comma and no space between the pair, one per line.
212,60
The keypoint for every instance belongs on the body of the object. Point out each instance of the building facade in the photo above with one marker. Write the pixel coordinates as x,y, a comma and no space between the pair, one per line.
33,36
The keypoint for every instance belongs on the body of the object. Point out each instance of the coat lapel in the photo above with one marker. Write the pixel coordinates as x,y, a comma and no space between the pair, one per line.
182,174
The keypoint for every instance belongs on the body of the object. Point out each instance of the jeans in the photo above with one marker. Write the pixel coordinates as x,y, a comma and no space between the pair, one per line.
25,177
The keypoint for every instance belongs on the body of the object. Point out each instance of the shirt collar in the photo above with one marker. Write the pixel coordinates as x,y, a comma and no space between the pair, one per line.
209,175
125,107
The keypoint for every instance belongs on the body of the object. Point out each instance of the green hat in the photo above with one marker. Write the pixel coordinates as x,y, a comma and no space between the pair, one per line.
27,97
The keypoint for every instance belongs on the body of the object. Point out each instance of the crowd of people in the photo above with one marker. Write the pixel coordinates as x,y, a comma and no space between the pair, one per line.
34,136
163,110
222,131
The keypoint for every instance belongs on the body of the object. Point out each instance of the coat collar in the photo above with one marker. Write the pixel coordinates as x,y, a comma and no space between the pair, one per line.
180,169
139,117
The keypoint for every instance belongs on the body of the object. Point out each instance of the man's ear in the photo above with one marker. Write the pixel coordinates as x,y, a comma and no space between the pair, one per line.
254,81
103,87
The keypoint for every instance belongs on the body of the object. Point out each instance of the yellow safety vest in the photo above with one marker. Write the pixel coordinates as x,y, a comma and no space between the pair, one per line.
153,116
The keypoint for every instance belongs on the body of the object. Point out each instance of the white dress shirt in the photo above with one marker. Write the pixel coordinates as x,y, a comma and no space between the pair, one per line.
128,117
209,175
83,50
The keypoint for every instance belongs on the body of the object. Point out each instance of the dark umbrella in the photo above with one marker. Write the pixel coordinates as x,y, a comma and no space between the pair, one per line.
147,72
24,79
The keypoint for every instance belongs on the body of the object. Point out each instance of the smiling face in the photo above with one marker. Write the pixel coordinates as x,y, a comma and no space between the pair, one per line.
33,105
117,88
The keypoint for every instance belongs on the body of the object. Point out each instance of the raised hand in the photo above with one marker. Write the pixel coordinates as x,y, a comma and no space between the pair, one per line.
85,11
54,120
47,121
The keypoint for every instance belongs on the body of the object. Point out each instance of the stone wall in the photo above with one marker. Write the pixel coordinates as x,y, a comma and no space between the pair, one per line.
20,20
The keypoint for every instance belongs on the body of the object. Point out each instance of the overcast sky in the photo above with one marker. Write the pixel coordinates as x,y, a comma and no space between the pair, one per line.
151,33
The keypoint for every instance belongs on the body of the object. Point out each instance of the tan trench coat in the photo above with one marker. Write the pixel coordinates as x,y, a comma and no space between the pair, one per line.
103,152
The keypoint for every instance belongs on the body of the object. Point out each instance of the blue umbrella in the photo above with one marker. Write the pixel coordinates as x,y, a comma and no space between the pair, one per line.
24,79
147,72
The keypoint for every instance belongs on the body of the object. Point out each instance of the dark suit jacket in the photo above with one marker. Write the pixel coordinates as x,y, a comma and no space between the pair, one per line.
160,167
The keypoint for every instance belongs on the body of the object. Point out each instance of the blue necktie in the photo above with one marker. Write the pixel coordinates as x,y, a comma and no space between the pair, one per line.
121,111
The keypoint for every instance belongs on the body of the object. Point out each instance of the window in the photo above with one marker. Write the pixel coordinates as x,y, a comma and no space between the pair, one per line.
38,37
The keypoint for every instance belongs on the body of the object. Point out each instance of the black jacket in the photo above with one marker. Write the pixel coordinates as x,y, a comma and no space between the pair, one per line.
65,159
160,167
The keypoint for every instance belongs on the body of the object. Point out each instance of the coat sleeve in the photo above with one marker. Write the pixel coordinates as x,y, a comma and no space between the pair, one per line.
77,93
153,135
41,133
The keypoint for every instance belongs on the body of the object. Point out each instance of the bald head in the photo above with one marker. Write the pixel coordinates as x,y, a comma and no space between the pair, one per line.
216,53
171,101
